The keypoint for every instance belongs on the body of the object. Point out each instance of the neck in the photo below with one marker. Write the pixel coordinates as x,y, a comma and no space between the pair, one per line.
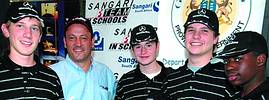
199,60
153,67
252,84
85,65
25,61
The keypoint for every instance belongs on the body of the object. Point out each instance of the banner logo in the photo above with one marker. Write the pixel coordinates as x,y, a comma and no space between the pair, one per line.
149,7
98,42
233,17
108,12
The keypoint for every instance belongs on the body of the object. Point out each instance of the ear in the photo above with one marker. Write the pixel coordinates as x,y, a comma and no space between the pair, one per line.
64,42
93,40
216,40
158,47
40,38
5,30
261,60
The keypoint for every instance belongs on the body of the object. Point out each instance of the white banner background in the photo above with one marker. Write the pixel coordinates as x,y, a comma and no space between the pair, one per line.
168,17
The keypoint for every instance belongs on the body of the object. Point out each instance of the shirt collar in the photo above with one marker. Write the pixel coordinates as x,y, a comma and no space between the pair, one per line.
72,63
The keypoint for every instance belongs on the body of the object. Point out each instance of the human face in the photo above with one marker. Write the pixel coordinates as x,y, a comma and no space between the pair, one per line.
241,69
79,43
24,35
146,52
200,39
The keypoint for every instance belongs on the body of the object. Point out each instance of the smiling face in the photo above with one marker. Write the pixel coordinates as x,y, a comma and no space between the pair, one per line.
24,35
146,52
79,43
200,39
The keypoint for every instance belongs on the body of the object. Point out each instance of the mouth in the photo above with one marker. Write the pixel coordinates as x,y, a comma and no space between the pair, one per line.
144,57
196,43
26,42
232,77
78,49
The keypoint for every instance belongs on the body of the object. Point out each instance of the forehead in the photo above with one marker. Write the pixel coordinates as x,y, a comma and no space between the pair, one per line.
197,25
146,42
77,29
29,19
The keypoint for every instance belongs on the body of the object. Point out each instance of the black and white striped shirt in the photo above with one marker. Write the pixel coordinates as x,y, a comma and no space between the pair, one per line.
134,85
208,83
261,92
37,82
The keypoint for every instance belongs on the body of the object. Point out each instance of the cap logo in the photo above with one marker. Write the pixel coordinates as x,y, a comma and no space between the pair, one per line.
27,4
142,28
202,12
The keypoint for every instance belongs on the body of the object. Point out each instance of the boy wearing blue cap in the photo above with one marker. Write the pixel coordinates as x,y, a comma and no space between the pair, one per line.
245,63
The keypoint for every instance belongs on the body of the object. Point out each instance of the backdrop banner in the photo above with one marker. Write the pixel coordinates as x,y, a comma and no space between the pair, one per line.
113,20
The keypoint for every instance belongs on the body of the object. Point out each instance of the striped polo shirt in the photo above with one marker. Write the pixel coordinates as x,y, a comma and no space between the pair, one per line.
37,82
134,85
208,83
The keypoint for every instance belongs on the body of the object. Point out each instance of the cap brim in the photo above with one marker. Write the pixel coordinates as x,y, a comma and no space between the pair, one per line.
189,23
23,16
232,53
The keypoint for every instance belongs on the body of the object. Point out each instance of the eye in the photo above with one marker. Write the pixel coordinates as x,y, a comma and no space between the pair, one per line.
20,26
205,30
84,37
137,46
71,38
35,29
190,30
237,59
225,61
149,45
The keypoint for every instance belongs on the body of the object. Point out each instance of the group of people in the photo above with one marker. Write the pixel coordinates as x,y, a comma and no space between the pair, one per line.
241,75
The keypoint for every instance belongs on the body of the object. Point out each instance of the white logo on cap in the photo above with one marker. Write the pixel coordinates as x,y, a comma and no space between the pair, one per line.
142,28
27,4
202,12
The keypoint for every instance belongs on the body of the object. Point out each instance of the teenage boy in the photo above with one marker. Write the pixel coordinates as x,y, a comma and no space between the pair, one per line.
22,76
245,65
146,80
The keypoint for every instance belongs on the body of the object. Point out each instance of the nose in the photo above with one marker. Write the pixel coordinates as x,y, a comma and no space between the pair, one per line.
143,50
27,33
196,34
230,64
78,42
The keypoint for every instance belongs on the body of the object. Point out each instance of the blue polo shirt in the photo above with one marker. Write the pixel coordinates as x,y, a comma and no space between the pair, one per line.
98,83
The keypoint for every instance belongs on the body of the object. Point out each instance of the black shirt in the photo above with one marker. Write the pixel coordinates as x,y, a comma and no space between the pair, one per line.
36,82
207,83
260,93
134,85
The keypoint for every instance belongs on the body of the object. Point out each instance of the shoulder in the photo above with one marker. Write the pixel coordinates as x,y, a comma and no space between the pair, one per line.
2,61
46,71
169,70
58,66
101,70
98,66
129,75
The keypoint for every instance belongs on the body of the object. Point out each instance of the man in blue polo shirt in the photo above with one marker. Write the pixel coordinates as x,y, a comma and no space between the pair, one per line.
81,76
